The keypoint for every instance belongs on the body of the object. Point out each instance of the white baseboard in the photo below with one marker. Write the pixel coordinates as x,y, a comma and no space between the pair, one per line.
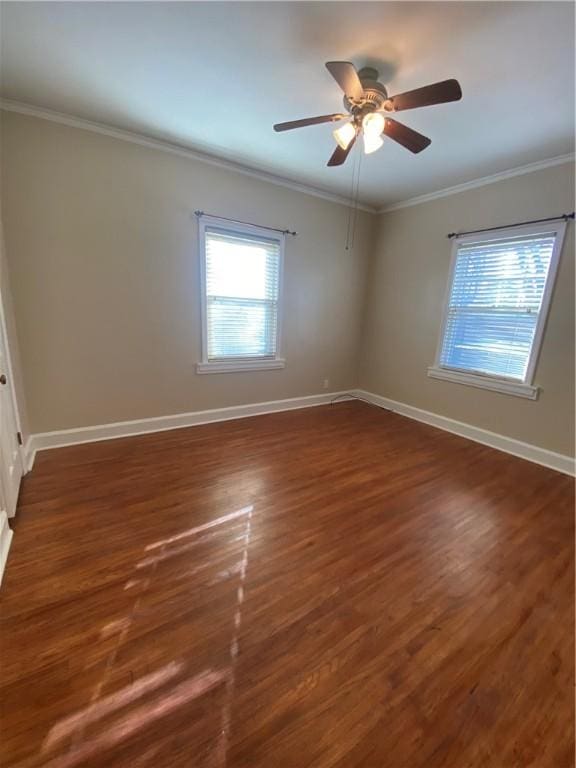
5,541
44,440
533,453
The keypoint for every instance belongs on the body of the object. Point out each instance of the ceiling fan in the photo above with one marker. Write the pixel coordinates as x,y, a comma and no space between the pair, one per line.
366,101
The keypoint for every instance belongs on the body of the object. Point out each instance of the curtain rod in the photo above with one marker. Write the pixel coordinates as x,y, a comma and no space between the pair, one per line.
249,223
564,217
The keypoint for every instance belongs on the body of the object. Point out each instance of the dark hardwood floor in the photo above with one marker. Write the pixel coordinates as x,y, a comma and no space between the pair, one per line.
334,587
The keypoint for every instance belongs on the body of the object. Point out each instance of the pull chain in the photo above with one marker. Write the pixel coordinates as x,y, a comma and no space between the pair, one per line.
353,208
356,200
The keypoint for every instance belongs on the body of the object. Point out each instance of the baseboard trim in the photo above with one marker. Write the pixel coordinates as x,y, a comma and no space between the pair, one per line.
557,461
6,534
45,440
67,437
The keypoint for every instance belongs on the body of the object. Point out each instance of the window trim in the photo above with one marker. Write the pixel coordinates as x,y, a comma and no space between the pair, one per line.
510,386
232,365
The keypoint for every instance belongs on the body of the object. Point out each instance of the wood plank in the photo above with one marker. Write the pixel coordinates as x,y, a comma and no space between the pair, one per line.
337,587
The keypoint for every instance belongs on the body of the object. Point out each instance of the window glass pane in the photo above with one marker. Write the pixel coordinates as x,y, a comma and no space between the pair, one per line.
488,342
495,300
241,329
242,274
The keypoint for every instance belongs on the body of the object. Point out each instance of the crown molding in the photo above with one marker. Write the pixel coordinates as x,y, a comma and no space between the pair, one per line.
143,140
481,182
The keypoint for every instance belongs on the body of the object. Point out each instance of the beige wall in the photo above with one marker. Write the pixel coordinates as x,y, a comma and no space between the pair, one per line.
407,285
102,250
102,247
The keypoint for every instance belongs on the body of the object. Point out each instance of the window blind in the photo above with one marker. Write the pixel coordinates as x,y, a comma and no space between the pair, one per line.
242,277
495,300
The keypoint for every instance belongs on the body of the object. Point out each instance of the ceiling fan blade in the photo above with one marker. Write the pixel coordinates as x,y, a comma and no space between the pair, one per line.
308,121
410,139
339,155
438,93
344,72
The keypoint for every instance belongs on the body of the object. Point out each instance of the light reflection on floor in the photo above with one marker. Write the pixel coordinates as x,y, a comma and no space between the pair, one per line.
127,726
201,528
88,737
234,645
111,703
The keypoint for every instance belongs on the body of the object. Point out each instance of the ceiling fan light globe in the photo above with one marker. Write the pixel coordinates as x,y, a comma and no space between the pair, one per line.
344,135
372,142
373,124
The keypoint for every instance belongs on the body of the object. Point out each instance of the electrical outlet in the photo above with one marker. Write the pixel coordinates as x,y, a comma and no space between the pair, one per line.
326,383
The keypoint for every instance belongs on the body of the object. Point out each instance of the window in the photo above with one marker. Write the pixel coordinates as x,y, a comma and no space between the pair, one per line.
499,292
241,273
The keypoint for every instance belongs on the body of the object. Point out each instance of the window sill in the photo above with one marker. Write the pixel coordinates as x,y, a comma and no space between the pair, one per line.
505,386
233,366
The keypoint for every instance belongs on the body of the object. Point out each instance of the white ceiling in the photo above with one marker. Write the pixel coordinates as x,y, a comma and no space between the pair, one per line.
215,77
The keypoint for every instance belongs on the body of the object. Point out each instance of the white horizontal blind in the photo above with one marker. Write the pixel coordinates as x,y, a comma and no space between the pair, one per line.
495,300
242,277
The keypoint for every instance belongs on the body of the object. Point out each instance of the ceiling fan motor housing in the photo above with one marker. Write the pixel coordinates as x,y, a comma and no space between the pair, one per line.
374,97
